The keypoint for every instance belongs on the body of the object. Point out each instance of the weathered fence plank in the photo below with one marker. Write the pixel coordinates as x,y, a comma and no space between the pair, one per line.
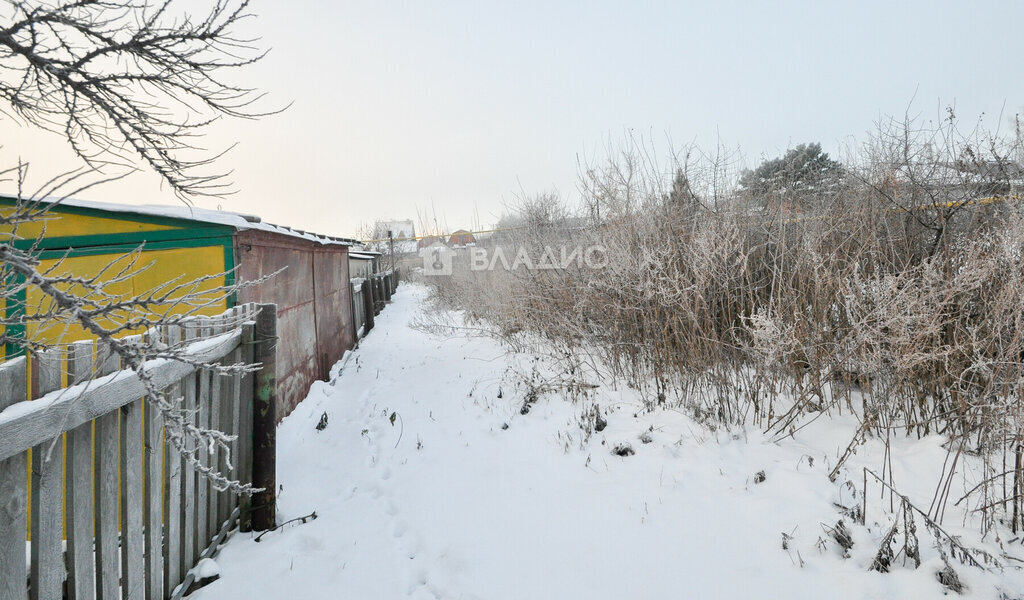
13,492
172,489
213,513
47,567
153,426
202,506
105,457
188,496
80,562
216,389
133,545
237,426
245,409
228,392
241,411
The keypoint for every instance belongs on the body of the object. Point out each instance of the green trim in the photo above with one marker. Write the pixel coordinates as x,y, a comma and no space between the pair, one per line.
13,350
124,248
133,238
125,215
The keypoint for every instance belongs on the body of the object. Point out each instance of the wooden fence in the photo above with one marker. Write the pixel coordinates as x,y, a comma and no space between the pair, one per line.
137,516
369,296
359,307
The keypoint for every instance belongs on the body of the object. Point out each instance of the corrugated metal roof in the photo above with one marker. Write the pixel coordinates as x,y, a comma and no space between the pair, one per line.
238,221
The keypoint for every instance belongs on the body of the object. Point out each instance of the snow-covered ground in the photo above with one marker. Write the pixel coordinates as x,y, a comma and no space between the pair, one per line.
446,502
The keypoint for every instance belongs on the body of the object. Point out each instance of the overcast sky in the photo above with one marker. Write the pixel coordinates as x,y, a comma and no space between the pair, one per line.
455,108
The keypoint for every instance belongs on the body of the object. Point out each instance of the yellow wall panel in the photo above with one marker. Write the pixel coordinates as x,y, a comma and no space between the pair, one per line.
148,272
61,224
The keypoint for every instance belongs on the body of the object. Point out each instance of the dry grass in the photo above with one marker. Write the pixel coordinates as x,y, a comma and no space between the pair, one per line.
891,293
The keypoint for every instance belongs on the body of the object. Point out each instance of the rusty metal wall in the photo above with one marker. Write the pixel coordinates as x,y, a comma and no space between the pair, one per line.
314,323
333,300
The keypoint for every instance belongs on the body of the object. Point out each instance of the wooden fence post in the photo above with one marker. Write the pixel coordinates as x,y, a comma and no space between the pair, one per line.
367,306
105,482
13,492
153,426
375,294
378,288
189,554
78,486
47,568
202,484
263,511
172,479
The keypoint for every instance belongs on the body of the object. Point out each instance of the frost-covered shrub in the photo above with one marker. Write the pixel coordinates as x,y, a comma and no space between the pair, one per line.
896,292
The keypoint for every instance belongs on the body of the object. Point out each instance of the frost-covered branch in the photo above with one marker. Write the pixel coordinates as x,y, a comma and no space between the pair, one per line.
129,81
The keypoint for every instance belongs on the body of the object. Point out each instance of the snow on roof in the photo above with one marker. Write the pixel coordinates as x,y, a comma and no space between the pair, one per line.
238,221
362,255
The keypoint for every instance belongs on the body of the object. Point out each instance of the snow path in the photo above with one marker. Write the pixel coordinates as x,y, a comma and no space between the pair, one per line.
445,503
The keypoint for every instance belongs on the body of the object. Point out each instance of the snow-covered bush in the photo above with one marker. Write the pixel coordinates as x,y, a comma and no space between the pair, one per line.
896,293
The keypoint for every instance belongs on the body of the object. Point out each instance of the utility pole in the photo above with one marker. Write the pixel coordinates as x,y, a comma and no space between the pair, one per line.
391,241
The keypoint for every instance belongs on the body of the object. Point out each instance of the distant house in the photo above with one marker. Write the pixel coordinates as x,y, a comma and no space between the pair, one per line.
462,238
429,240
402,232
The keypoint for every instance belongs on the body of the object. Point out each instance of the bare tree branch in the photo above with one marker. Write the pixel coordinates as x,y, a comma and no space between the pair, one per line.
130,81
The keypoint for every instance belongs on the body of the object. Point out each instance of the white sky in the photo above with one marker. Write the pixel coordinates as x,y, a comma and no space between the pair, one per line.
455,108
